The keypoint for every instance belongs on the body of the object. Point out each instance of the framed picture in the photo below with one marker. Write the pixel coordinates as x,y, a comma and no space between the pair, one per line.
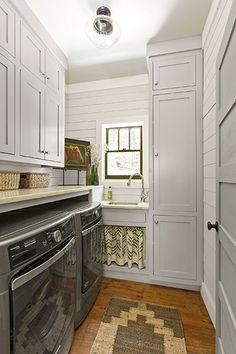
77,155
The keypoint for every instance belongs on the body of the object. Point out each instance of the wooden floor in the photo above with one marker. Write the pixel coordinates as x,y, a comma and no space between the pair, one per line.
199,331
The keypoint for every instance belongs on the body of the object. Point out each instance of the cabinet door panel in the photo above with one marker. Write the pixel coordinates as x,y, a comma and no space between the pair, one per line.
31,116
7,28
53,128
7,103
175,144
53,71
175,253
32,53
173,73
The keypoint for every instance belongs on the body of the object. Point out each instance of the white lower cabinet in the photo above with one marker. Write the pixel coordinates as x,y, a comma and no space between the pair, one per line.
7,104
175,251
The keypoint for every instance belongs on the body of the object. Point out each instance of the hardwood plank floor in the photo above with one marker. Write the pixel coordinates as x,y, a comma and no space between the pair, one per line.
198,329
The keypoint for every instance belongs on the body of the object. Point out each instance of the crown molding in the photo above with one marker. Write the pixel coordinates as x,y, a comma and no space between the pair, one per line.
125,81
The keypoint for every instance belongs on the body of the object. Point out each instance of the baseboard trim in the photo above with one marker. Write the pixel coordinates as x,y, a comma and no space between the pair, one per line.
145,278
126,276
208,300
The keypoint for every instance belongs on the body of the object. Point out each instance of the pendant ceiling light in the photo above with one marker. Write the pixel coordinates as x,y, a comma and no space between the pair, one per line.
102,30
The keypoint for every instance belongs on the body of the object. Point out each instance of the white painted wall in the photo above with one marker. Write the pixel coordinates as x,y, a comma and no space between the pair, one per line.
113,100
211,41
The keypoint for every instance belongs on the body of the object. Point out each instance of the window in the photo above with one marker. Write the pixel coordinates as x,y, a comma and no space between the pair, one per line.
124,154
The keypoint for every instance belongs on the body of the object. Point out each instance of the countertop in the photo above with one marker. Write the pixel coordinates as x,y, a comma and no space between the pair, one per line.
139,206
20,195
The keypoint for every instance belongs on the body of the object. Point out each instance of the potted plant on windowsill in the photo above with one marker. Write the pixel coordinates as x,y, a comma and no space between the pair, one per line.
92,177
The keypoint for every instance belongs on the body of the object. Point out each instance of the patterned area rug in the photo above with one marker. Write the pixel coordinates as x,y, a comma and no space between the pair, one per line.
133,327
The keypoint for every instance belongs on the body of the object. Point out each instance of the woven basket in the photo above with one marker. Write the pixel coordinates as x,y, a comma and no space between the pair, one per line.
9,180
34,180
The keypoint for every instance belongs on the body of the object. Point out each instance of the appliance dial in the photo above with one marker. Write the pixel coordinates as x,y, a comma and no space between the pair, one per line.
56,236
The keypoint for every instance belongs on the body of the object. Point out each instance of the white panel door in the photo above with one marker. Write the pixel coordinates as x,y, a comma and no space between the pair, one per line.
53,73
175,171
226,191
32,53
53,128
31,116
7,28
169,72
7,104
175,252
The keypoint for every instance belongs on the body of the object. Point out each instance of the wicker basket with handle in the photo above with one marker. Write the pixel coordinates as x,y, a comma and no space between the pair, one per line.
9,180
34,180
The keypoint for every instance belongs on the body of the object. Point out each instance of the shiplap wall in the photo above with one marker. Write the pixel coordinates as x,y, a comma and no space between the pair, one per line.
121,98
212,37
85,107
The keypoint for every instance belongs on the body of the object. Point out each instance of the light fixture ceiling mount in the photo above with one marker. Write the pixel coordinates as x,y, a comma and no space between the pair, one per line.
103,23
102,30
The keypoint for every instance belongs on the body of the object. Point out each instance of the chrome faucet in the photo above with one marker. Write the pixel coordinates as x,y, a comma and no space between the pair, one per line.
143,195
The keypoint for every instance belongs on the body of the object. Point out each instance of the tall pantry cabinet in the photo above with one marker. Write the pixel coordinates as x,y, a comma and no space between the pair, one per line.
32,89
175,71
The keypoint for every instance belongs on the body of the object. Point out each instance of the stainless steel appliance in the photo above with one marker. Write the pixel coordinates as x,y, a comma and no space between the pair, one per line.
88,226
37,282
88,238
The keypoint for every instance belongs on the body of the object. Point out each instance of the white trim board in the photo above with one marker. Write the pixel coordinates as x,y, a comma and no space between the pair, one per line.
209,303
177,45
125,81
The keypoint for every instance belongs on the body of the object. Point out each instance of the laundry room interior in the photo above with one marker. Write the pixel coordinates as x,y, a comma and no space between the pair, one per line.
117,186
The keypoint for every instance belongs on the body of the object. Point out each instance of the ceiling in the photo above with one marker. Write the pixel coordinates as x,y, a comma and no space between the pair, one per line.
140,22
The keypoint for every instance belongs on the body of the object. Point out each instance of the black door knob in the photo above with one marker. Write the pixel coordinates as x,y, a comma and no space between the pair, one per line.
213,226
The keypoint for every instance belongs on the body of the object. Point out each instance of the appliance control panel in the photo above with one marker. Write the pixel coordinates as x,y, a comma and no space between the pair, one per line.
21,252
91,216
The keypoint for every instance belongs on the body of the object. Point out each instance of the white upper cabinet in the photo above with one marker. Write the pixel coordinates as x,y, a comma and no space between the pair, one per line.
175,152
54,128
7,28
32,53
32,98
7,104
53,73
32,89
171,73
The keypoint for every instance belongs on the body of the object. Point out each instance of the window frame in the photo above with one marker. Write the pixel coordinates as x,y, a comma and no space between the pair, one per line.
121,177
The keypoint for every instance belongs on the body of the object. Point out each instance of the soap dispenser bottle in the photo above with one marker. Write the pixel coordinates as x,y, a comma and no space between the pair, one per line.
109,194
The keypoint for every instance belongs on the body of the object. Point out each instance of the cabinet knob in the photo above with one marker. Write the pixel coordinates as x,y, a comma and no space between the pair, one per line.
46,152
156,222
48,78
156,155
213,226
156,83
41,151
43,74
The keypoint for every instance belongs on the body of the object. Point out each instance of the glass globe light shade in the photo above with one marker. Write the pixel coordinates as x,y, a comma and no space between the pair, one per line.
103,31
